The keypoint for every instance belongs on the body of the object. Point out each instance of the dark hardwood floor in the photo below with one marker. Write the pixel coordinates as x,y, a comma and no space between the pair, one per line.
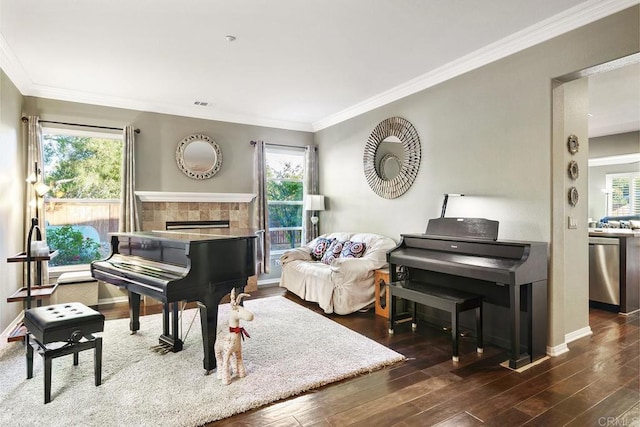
596,383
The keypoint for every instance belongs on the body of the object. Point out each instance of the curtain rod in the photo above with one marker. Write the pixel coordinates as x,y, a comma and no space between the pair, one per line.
279,145
25,120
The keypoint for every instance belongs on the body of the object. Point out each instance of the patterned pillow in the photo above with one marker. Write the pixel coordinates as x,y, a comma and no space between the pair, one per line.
353,249
332,252
320,248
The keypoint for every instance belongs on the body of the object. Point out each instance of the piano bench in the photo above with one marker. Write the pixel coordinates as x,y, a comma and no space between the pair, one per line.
71,324
450,300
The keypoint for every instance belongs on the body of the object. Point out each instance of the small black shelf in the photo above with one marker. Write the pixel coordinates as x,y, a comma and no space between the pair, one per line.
22,257
37,292
30,291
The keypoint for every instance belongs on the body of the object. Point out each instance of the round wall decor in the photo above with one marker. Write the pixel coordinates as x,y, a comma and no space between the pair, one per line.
572,144
382,184
198,156
573,196
573,169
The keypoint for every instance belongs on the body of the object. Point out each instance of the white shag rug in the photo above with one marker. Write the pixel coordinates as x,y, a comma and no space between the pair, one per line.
291,350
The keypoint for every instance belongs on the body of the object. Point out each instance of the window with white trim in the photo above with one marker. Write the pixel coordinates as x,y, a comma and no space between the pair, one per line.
623,191
285,189
82,169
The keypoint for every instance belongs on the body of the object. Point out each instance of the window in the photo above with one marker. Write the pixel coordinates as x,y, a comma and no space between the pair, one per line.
623,191
82,170
285,189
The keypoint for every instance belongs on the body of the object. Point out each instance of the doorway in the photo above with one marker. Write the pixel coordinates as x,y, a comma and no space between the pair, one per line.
569,294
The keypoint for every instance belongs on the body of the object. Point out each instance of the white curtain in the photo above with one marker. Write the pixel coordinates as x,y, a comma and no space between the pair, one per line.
261,212
35,205
129,220
311,184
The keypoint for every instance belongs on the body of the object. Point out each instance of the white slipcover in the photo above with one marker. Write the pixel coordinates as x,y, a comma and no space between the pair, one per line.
347,284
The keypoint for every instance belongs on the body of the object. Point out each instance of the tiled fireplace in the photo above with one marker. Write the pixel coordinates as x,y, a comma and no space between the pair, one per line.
156,214
160,207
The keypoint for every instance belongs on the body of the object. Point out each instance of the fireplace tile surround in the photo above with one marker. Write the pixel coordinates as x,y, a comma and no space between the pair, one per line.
156,214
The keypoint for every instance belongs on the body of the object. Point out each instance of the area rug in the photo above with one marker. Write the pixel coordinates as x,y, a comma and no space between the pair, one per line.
291,350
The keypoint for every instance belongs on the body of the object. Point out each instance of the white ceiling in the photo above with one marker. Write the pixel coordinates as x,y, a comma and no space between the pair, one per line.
296,64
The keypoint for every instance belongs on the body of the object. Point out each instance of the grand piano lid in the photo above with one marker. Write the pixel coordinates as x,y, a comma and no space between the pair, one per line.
476,228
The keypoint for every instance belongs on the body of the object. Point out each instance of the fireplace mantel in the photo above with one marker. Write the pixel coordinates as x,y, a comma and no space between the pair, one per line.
167,196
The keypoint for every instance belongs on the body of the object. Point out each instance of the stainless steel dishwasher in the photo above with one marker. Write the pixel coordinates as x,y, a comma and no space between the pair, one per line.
604,270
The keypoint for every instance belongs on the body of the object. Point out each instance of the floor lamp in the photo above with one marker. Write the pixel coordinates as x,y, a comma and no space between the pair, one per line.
606,200
40,188
314,203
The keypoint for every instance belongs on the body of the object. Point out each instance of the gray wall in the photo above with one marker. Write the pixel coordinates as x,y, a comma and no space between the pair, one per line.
614,145
156,168
569,278
12,183
487,134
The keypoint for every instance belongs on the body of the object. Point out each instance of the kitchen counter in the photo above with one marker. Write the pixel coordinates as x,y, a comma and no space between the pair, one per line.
629,262
613,232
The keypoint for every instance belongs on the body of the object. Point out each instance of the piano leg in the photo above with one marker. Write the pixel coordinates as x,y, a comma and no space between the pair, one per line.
517,359
209,322
134,312
170,334
414,317
392,312
538,318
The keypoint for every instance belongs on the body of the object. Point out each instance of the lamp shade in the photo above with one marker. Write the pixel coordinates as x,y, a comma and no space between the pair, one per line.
41,188
313,202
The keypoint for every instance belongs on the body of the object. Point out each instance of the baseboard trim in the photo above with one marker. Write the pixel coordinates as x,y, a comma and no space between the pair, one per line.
577,334
629,313
570,337
557,350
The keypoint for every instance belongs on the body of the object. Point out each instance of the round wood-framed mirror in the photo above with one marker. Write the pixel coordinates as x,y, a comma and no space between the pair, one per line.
198,156
387,174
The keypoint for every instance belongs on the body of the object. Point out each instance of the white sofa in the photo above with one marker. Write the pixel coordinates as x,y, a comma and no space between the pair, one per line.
344,284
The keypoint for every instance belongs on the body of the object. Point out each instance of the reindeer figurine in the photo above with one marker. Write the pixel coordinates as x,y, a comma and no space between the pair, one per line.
228,342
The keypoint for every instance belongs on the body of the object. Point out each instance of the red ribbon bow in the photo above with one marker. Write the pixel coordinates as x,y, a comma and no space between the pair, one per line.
239,330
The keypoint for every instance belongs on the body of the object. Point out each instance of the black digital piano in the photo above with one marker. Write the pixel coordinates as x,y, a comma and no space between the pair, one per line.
464,254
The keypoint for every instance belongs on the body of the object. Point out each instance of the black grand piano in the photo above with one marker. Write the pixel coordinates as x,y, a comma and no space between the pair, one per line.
464,254
172,266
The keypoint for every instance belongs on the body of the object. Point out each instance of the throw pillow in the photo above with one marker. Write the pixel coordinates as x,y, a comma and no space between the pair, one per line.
353,249
320,248
332,252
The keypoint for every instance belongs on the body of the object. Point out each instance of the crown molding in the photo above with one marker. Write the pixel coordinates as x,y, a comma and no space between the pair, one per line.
168,196
615,160
156,107
12,68
557,25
